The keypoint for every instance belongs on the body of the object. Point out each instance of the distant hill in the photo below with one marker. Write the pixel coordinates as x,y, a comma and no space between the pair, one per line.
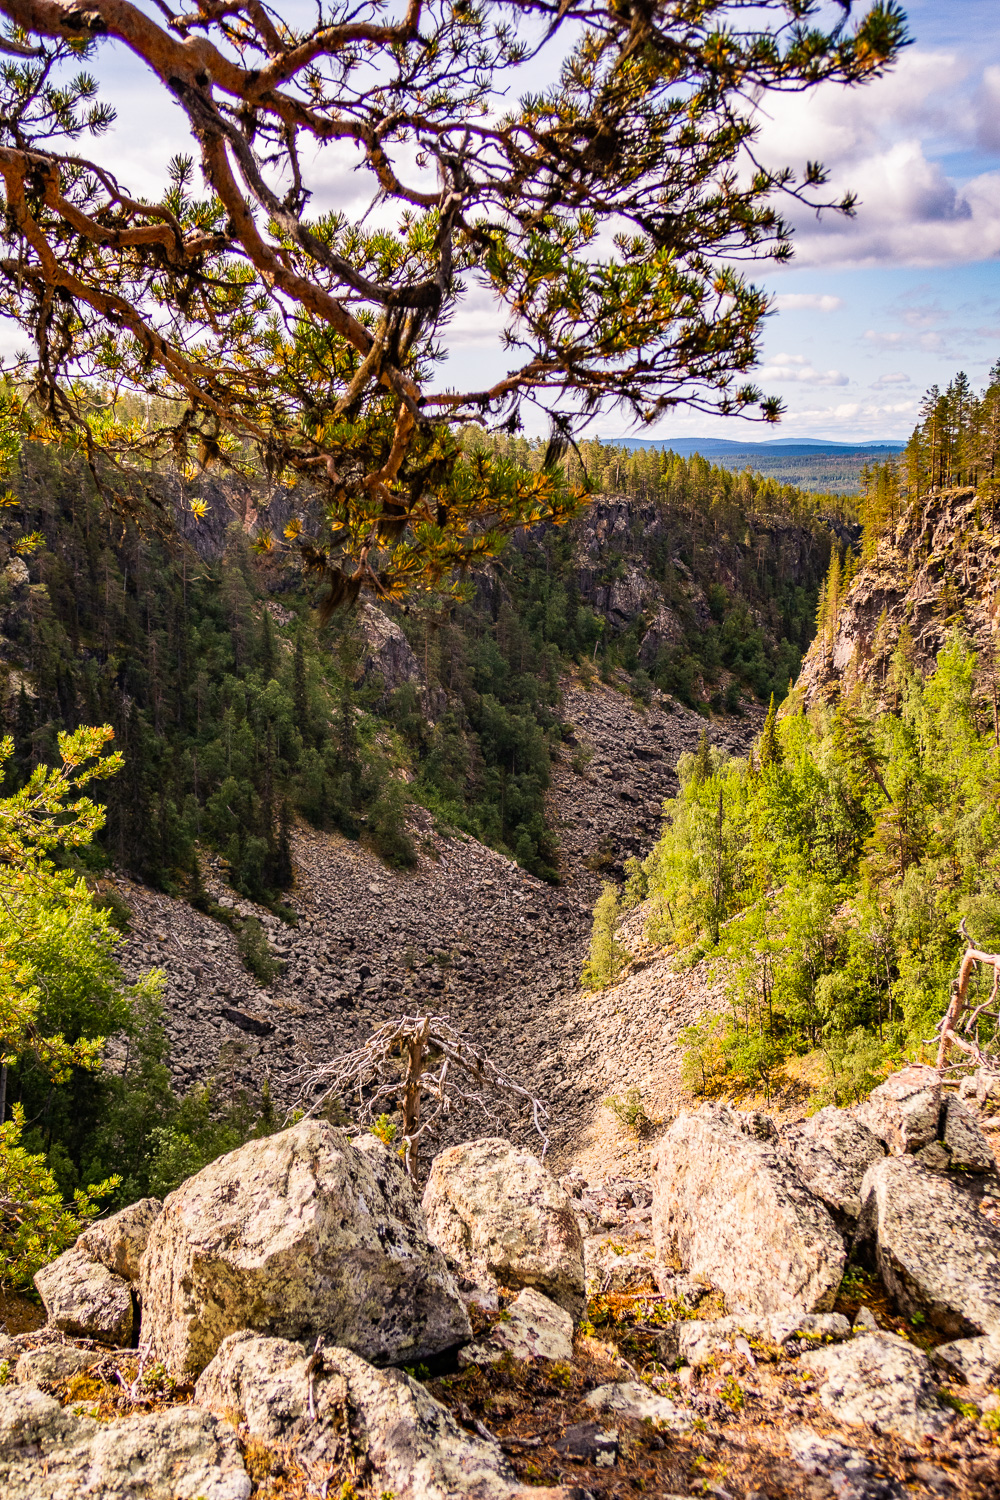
775,448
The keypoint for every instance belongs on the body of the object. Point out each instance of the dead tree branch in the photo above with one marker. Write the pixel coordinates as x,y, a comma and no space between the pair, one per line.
961,1027
406,1062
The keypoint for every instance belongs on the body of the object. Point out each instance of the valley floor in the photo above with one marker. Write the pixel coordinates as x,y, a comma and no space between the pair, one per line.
467,935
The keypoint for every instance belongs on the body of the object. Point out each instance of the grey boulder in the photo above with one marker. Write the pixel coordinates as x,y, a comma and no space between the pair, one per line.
48,1452
118,1242
411,1446
936,1253
832,1152
731,1208
51,1364
904,1111
879,1380
636,1402
85,1299
501,1217
303,1233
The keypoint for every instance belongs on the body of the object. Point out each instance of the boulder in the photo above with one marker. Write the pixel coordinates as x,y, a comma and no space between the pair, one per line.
935,1251
48,1452
119,1241
882,1381
832,1152
904,1111
303,1233
501,1217
967,1148
413,1448
531,1328
971,1361
85,1299
732,1209
51,1364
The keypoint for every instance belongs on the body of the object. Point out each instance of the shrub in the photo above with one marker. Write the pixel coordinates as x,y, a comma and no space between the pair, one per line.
629,1110
252,945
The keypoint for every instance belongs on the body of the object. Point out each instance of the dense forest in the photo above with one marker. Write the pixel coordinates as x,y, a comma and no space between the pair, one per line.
826,876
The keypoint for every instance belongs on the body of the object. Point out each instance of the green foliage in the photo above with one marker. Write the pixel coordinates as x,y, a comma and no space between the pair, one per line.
608,956
36,1224
252,945
827,877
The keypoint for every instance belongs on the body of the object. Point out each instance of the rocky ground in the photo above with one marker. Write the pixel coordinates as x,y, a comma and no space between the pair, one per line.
467,935
776,1312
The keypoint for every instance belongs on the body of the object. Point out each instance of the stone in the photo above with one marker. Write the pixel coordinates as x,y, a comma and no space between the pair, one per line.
865,1321
501,1217
731,1208
412,1443
831,1152
51,1364
971,1361
699,1340
850,1474
119,1241
904,1111
590,1443
936,1253
610,1270
533,1328
967,1147
631,1399
85,1299
300,1234
48,1452
879,1380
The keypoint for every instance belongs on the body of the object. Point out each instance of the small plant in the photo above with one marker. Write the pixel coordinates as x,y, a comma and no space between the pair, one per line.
5,1371
732,1394
386,1129
991,1420
629,1110
581,758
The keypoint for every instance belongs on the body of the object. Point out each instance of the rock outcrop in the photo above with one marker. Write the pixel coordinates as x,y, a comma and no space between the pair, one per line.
502,1218
82,1297
532,1328
937,569
905,1111
731,1208
410,1444
300,1234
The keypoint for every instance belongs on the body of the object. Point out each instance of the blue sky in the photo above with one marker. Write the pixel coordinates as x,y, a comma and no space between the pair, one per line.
871,311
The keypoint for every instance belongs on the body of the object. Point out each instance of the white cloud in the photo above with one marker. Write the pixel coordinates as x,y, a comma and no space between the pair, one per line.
896,377
883,142
807,302
796,367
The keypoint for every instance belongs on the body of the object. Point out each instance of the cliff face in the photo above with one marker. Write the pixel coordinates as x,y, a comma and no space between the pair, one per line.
937,571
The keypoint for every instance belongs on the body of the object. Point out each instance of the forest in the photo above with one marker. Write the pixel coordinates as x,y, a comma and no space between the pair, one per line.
826,875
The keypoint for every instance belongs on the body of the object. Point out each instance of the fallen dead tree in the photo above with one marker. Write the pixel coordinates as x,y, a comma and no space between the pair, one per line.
405,1062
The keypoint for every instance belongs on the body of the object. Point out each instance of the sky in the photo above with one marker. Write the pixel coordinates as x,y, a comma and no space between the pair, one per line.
872,310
